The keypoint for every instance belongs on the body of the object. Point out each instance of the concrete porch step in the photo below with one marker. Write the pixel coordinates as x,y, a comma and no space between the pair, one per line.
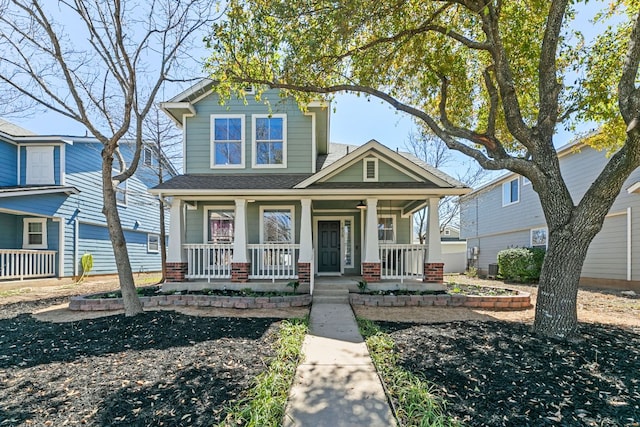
331,296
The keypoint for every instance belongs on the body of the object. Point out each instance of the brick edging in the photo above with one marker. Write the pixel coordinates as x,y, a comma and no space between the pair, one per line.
83,303
521,301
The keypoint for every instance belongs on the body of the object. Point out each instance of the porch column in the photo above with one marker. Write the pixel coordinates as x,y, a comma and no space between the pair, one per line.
240,265
434,267
371,263
177,266
305,259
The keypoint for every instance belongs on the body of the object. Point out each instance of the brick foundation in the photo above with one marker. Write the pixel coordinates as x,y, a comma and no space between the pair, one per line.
176,271
304,273
371,271
433,272
240,272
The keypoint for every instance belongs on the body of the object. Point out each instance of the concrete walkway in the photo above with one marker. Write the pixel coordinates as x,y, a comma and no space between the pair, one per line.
337,384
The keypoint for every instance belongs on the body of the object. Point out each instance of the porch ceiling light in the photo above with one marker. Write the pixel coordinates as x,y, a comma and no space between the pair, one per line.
361,205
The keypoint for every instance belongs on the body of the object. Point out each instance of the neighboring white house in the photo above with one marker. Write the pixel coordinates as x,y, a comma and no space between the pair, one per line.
507,213
454,250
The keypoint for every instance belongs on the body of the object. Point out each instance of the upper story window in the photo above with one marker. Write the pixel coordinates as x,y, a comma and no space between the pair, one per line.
270,141
40,166
121,191
147,156
511,192
34,234
370,170
227,141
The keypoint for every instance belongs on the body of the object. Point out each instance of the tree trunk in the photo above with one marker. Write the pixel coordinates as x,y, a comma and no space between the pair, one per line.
132,304
556,310
163,243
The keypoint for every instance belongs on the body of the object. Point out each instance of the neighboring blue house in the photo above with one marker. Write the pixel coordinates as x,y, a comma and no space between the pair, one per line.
51,207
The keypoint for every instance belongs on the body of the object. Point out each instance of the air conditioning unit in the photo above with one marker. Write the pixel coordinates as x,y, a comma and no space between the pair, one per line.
493,271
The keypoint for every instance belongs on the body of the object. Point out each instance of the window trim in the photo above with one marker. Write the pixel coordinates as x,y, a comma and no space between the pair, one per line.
50,179
149,249
124,189
393,224
205,222
243,140
254,142
25,233
366,160
147,156
546,243
343,249
504,184
291,209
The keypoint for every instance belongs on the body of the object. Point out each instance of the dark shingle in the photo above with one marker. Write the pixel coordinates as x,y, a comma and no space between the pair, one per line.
233,182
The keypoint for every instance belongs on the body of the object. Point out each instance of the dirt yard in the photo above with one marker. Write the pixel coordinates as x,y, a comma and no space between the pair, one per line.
185,367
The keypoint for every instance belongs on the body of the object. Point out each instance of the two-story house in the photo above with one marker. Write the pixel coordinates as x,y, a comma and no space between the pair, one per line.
265,195
51,207
507,213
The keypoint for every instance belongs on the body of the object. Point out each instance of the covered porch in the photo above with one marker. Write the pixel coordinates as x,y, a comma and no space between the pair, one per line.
262,239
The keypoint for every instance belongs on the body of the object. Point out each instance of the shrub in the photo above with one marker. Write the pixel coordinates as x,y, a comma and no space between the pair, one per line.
520,264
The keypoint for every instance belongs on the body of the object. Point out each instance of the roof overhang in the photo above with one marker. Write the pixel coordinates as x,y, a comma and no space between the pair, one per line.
177,111
635,188
34,191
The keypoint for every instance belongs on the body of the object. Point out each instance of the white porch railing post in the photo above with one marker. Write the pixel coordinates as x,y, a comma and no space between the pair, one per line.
306,240
176,232
372,254
433,224
27,264
240,232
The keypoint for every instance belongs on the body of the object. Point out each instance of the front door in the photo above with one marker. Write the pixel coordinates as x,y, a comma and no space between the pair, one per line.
329,247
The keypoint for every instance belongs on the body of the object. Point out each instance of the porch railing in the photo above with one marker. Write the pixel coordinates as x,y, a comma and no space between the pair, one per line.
402,261
273,260
26,264
209,261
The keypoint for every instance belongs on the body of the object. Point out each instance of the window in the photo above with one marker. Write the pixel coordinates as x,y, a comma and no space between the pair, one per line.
147,156
525,181
270,141
34,233
370,170
40,166
386,229
277,225
153,243
121,194
539,238
348,243
510,192
227,141
220,225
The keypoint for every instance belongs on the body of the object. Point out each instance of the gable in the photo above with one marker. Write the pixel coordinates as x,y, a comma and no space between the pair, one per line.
381,169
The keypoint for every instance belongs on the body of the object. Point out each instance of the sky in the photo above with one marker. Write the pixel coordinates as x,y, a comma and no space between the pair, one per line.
354,120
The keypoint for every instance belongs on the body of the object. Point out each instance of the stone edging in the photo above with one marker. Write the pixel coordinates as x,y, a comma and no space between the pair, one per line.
82,303
522,301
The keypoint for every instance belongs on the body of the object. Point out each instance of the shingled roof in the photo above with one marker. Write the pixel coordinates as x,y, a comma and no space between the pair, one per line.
233,182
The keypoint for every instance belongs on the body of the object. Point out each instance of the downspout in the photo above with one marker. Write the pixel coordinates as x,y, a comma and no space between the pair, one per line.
629,244
76,240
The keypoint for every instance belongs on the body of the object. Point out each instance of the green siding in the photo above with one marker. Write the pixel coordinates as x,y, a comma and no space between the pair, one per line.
386,173
198,134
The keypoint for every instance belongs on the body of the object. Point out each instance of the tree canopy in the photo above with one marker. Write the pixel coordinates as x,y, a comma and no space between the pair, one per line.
493,79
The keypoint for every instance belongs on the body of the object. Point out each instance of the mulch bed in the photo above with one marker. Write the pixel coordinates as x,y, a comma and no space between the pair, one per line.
499,374
157,369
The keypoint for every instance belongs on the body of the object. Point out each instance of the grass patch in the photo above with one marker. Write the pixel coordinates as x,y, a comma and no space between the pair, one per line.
12,292
264,403
413,403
